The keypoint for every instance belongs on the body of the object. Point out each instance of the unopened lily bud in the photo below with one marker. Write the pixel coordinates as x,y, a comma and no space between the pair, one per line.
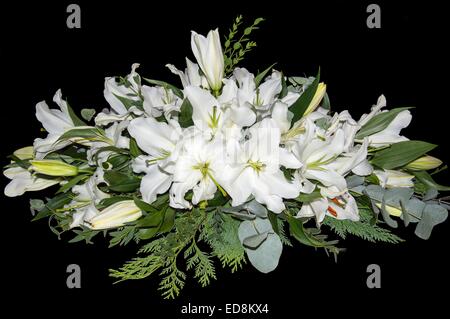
392,178
24,153
116,215
394,211
208,52
318,96
53,168
424,163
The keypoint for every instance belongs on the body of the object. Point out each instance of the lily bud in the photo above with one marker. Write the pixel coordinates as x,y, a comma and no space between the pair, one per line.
209,55
394,211
24,153
392,178
53,168
116,215
317,98
424,163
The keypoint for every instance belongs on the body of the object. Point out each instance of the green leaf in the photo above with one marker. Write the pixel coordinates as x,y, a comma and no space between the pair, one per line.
122,182
307,198
326,102
261,75
400,154
75,119
379,122
175,90
110,201
301,104
273,218
304,236
145,207
128,103
20,162
118,160
87,114
185,117
72,182
135,151
56,202
284,89
86,133
168,221
429,182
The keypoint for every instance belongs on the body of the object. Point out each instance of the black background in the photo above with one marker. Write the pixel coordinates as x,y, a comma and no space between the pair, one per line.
403,60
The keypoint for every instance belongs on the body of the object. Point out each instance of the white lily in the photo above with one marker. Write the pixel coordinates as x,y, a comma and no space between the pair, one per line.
191,75
256,171
23,181
55,122
392,178
208,115
159,140
82,215
391,134
114,91
159,100
114,134
116,215
209,56
340,207
198,167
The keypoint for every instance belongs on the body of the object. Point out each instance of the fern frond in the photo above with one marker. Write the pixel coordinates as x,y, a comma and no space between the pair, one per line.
362,229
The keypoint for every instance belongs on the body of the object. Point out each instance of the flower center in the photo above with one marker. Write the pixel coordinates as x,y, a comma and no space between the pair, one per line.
258,166
203,168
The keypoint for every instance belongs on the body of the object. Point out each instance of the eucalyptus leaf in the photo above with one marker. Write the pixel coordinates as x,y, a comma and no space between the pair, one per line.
87,114
266,256
255,241
432,215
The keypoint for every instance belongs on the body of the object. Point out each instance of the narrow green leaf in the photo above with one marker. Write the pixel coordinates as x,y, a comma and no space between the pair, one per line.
400,154
175,90
135,151
261,75
426,179
75,119
185,117
299,232
301,104
72,182
306,198
379,122
56,202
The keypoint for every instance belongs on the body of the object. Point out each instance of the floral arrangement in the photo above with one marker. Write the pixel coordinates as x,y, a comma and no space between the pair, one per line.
227,169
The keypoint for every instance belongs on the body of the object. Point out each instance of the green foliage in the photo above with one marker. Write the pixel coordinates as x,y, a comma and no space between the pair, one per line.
363,228
220,231
236,46
201,261
299,107
400,154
